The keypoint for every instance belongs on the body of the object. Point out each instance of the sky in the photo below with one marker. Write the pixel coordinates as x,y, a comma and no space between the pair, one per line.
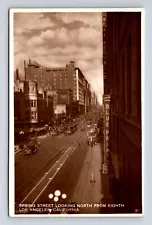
54,39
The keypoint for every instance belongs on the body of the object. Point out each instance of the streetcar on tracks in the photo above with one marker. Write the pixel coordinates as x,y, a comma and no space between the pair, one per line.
70,129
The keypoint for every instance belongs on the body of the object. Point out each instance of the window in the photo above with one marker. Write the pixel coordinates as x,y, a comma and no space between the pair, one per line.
33,115
33,103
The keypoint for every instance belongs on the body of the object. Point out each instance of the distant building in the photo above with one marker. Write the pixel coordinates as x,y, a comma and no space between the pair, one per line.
63,99
55,78
94,101
80,93
64,78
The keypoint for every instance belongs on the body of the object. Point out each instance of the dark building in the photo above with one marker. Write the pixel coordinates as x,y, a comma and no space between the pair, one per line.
31,109
55,78
62,78
45,108
122,82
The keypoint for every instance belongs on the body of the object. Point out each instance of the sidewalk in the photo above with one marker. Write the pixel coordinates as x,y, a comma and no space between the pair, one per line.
88,192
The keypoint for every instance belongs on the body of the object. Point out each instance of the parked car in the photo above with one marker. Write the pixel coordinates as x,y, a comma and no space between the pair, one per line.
30,149
68,131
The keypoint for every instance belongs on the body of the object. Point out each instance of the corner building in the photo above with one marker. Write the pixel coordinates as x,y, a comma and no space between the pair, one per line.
122,81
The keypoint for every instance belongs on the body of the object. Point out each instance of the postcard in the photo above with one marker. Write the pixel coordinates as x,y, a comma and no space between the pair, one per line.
75,112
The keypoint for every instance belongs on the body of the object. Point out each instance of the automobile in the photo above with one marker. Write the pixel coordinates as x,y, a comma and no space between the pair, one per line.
54,133
30,149
88,126
68,131
92,136
95,125
82,128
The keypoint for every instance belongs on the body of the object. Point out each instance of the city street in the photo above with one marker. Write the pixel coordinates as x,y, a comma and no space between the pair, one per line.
64,163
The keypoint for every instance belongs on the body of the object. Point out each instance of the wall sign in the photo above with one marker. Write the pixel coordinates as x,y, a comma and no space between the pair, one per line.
106,103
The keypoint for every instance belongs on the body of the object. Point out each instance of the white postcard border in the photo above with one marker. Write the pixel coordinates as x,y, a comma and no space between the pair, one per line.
11,102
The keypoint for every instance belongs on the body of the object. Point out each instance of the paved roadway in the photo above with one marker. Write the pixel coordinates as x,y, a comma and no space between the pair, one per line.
53,153
62,163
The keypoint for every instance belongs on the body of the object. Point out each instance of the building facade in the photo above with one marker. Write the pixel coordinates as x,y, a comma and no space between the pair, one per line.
80,93
25,103
65,78
122,86
55,78
94,101
45,110
31,108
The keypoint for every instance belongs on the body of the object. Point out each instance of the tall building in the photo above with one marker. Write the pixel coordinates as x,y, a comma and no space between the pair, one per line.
55,78
31,109
80,90
94,100
122,102
69,77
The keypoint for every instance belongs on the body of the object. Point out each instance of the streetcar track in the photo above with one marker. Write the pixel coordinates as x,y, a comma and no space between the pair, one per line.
34,159
41,192
28,182
36,156
56,145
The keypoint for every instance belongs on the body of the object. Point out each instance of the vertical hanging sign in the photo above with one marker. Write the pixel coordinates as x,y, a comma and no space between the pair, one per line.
106,103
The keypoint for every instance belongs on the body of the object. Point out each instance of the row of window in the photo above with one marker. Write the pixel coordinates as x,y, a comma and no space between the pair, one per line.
61,75
30,103
33,89
32,115
61,80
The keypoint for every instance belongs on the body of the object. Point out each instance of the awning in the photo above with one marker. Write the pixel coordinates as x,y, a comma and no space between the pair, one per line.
39,129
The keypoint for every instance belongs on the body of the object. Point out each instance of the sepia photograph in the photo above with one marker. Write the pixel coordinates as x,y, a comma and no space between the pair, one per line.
75,112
